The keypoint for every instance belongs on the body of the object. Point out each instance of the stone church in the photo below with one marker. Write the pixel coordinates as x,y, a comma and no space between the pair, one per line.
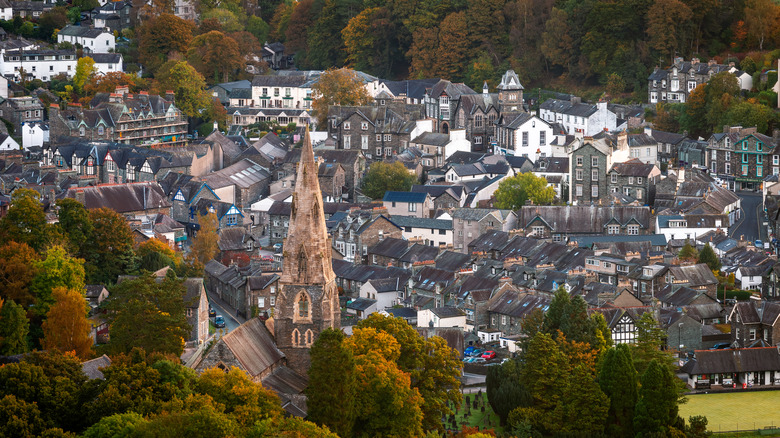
276,353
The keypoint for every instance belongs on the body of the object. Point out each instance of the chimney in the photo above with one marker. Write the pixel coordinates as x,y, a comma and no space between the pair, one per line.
80,196
694,61
711,62
169,95
575,100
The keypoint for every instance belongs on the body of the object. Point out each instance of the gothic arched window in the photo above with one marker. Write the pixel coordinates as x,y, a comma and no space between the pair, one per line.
309,338
296,338
303,306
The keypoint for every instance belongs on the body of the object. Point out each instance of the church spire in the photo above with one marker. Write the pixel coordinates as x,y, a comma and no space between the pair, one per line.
307,249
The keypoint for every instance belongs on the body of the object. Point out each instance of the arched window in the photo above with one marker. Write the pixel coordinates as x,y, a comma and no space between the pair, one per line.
309,338
303,306
296,338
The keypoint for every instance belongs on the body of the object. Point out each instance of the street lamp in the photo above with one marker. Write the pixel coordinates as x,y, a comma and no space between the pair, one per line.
679,339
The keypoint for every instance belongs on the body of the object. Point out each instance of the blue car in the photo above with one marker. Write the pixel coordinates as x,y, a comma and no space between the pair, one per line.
219,321
467,352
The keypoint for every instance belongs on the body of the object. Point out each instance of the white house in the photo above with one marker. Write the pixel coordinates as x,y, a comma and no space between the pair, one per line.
744,79
92,40
3,87
578,118
750,277
38,64
7,143
524,134
689,226
108,62
387,292
429,231
34,134
442,317
6,10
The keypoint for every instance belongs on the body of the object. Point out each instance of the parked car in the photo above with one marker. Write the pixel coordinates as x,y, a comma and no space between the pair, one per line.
489,355
758,244
467,352
721,346
212,313
277,248
219,321
477,352
479,360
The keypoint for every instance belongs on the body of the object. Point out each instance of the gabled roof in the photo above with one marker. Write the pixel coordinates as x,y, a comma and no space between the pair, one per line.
740,360
411,197
253,346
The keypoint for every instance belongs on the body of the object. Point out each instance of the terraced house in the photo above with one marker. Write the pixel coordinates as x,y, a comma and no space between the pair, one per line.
754,156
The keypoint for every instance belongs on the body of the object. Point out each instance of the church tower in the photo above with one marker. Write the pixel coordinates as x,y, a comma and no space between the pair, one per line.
510,93
308,300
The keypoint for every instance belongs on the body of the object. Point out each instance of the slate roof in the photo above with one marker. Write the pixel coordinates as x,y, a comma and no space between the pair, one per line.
476,214
411,197
740,360
233,239
123,198
390,247
420,253
253,346
417,222
569,108
92,367
243,174
361,304
583,219
694,275
447,312
432,139
386,284
517,304
633,168
452,261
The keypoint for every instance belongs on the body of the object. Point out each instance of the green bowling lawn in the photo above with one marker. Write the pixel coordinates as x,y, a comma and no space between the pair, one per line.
735,410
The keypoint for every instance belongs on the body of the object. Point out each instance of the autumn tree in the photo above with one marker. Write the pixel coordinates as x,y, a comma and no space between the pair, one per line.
245,400
423,53
666,21
762,18
721,91
557,43
66,327
513,192
370,41
148,313
85,69
382,177
215,56
154,254
108,83
453,47
57,269
188,85
17,269
162,36
25,221
109,252
297,32
696,111
228,21
332,383
205,245
14,327
337,87
751,113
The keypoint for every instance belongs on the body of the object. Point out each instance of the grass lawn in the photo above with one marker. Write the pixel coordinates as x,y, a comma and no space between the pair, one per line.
477,417
736,410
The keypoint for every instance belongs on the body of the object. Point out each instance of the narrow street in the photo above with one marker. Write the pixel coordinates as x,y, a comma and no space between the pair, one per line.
230,318
750,225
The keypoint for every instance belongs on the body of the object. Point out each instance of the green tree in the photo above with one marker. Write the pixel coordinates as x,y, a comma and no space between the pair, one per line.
14,327
257,27
288,427
666,24
750,113
337,87
513,192
656,409
25,221
505,391
602,335
721,91
188,85
19,418
585,406
227,19
619,381
688,252
558,45
121,425
85,69
109,252
650,339
332,383
382,177
546,375
74,223
58,269
708,256
147,313
51,20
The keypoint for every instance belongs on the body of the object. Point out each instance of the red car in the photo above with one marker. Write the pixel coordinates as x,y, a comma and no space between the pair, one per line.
489,355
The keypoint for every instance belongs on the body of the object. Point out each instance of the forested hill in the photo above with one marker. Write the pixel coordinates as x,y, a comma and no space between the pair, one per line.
475,40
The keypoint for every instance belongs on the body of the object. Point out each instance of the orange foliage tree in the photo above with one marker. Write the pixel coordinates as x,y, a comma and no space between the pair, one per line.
66,327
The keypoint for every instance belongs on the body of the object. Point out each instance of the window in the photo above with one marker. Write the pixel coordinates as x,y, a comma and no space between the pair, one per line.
631,180
364,126
613,178
525,138
594,161
594,191
633,230
364,142
775,159
578,174
759,159
388,151
100,130
759,171
639,193
744,170
578,190
752,334
379,137
594,175
379,151
542,138
82,131
639,180
412,206
347,142
346,126
613,229
728,156
261,302
538,231
727,168
388,137
579,161
627,191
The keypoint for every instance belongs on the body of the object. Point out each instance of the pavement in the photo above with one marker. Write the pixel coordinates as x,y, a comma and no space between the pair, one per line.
750,224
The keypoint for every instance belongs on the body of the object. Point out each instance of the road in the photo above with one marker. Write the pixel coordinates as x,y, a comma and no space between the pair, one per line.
230,320
749,224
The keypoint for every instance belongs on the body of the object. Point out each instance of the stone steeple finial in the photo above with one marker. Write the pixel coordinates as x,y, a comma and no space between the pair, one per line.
307,248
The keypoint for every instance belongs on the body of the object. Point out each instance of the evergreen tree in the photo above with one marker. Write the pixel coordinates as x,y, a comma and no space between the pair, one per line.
656,409
585,406
555,313
14,327
332,383
708,256
688,253
618,380
505,391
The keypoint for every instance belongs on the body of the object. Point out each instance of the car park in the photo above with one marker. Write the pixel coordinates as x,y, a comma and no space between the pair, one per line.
219,321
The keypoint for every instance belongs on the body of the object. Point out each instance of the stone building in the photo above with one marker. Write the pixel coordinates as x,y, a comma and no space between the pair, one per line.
308,297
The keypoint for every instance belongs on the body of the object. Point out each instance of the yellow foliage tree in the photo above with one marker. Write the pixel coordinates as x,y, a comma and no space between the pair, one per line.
66,327
205,245
338,87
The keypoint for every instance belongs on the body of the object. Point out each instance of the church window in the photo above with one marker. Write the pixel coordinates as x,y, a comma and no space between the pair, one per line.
309,338
296,338
303,306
